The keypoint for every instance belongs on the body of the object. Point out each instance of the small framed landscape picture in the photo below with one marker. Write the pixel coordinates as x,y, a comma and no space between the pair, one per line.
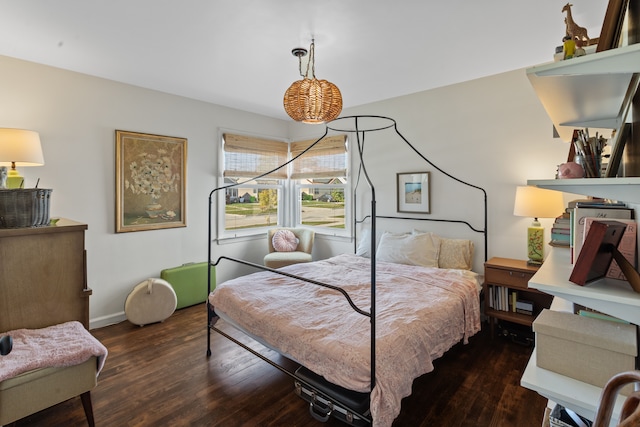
413,192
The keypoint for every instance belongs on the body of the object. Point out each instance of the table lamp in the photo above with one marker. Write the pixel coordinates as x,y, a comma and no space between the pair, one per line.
19,147
537,203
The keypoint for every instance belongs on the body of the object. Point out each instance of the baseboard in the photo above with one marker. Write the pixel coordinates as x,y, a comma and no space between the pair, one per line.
100,322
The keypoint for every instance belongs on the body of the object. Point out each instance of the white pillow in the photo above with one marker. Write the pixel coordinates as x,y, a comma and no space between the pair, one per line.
364,245
411,249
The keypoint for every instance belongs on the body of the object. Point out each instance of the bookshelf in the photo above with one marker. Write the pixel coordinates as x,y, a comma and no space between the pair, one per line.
623,189
593,91
579,396
590,91
511,275
613,297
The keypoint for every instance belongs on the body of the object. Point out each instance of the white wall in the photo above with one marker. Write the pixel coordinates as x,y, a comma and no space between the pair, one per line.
492,132
76,116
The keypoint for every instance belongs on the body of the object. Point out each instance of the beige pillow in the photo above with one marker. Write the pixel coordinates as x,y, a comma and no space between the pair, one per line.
411,249
456,253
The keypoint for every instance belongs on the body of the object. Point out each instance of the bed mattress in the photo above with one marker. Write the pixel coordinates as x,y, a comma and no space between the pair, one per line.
421,313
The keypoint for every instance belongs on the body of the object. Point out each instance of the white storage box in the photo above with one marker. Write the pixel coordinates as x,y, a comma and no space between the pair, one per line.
587,349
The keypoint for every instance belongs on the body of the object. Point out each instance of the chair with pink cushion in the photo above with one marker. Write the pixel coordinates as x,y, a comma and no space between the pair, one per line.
288,246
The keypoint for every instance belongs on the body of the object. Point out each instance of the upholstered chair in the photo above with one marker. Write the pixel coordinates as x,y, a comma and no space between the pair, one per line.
285,252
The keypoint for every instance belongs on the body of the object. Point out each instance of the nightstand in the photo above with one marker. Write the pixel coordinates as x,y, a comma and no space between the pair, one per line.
507,295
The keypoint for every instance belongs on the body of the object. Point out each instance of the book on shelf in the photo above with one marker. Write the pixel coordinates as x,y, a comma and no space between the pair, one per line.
598,315
561,231
502,298
563,417
580,213
524,307
627,246
600,204
594,259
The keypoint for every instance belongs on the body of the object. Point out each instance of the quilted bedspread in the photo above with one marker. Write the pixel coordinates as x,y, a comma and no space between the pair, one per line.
420,314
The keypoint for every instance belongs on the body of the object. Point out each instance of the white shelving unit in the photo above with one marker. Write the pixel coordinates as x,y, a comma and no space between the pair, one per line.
624,189
589,91
578,396
614,297
592,91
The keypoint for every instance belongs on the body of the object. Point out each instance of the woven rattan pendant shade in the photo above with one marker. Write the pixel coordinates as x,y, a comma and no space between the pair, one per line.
313,101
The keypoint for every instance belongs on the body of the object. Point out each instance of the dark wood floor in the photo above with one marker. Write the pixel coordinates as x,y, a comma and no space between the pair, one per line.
159,375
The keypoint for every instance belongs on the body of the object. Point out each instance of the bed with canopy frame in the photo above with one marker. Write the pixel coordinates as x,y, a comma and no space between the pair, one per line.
305,311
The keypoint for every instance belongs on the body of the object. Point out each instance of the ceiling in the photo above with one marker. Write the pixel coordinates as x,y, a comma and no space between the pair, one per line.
237,53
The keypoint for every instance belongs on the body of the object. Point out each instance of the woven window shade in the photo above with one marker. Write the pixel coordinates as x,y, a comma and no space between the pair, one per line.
248,157
327,159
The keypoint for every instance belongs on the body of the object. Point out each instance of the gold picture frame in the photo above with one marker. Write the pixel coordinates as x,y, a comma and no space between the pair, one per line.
413,192
150,181
611,33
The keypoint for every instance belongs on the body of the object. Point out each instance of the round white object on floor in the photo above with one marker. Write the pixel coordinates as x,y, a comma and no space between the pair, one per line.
151,301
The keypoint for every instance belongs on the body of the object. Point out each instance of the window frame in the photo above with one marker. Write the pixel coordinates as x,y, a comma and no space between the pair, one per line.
320,229
289,204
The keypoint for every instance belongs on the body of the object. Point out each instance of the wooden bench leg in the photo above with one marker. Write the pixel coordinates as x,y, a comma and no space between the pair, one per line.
88,408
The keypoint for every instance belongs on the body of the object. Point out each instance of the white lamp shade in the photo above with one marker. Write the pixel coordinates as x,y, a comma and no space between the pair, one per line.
21,147
534,202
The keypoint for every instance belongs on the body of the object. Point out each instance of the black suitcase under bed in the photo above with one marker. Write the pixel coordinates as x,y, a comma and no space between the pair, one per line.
330,400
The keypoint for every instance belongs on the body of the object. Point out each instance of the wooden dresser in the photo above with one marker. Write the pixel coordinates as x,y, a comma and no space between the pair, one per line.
43,276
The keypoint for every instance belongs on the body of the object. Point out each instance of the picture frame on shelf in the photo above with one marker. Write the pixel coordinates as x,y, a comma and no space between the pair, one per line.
413,192
618,144
150,181
611,32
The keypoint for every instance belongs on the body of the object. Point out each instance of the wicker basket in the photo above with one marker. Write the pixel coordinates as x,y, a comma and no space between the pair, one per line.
24,207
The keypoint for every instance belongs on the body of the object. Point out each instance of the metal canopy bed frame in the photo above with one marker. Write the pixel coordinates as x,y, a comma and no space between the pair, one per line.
359,125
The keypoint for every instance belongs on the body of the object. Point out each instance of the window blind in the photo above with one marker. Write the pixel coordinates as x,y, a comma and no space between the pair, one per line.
248,157
327,159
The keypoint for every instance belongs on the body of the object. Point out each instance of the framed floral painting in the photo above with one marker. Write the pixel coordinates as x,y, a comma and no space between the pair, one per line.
150,181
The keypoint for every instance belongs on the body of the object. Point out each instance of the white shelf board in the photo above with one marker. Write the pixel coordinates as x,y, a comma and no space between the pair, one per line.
588,91
624,189
622,60
613,297
578,396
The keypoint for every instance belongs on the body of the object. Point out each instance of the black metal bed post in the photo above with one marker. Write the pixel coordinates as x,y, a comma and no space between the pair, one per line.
372,317
209,234
209,276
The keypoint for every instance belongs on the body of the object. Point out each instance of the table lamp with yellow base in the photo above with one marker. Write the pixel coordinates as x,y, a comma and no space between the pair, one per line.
18,147
537,203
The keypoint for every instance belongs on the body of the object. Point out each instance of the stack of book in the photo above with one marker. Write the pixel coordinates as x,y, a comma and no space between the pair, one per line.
502,298
561,231
598,209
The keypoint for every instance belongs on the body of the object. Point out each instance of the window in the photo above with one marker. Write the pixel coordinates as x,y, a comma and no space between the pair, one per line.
309,192
252,203
321,183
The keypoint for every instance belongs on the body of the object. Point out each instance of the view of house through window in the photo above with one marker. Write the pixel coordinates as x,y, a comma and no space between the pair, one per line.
248,207
322,206
318,180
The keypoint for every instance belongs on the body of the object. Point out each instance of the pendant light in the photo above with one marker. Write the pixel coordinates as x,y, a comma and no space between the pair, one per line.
311,100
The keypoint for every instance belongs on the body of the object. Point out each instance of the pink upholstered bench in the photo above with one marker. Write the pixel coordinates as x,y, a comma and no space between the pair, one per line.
48,366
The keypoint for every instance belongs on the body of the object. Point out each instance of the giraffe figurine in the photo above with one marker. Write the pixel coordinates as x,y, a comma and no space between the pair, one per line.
573,29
